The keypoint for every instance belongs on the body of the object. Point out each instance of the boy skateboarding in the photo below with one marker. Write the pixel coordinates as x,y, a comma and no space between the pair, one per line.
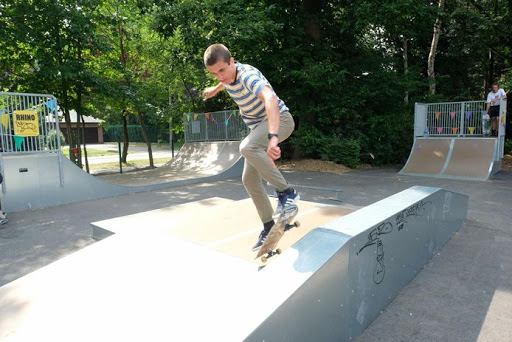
270,123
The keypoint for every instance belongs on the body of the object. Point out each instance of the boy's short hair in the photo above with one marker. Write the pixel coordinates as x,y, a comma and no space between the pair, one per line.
215,53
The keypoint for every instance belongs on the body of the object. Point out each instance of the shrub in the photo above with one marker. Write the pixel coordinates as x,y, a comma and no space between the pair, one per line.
342,151
309,141
508,146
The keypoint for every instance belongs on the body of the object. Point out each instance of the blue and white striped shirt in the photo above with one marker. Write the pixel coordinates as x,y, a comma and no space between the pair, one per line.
244,91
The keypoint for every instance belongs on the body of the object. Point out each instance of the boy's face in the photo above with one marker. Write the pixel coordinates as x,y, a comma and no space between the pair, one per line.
495,89
222,71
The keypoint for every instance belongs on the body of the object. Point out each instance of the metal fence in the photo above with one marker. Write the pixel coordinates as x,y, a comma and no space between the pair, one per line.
28,123
459,119
215,126
450,118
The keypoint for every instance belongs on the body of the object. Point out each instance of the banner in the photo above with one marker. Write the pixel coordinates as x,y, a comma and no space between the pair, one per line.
452,114
438,114
454,130
5,121
50,104
26,123
18,141
471,130
468,114
439,130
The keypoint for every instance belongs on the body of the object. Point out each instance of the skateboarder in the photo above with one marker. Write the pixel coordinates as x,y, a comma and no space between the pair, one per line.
270,123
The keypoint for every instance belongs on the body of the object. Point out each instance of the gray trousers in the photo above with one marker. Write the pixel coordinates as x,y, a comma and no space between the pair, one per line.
258,167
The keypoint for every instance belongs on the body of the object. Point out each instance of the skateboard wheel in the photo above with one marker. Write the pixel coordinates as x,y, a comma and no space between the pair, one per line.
264,258
278,251
297,224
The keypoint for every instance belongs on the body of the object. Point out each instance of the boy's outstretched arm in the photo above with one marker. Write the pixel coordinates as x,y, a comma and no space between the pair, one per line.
212,91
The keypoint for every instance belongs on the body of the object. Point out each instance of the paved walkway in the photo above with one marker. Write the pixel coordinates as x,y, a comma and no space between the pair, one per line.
463,294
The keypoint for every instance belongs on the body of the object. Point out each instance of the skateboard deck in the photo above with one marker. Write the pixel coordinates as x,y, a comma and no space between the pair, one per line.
277,231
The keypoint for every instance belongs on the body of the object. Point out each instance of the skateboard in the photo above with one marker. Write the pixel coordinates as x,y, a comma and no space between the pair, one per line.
277,231
486,125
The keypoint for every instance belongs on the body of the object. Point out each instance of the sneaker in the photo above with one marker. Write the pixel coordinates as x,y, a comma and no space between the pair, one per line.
285,199
261,239
3,220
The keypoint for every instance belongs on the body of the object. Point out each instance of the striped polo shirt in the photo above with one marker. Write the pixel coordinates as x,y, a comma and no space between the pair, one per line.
244,91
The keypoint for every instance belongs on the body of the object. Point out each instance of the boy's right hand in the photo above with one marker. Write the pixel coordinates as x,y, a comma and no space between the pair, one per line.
209,92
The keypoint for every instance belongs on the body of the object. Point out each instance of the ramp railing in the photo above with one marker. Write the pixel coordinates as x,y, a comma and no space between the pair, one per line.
214,126
28,123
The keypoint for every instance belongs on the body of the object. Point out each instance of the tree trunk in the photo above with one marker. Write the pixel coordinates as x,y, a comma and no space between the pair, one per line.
69,134
433,49
126,140
85,146
406,68
146,139
490,72
78,142
79,117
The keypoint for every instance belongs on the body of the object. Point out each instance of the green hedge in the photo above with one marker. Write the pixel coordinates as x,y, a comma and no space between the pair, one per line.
313,144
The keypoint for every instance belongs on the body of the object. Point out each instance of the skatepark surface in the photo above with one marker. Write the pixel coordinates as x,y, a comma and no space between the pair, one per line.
463,294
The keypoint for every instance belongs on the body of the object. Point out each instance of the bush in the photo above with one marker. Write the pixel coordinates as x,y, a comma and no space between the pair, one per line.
312,143
309,141
50,140
508,146
342,151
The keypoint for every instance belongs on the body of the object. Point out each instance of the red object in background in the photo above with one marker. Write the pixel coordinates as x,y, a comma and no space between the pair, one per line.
75,150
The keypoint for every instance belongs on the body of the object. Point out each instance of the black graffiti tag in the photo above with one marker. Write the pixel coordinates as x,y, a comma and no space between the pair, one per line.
374,239
417,209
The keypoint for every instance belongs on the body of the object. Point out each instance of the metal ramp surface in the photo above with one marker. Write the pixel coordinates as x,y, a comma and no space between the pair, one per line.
455,158
169,279
40,180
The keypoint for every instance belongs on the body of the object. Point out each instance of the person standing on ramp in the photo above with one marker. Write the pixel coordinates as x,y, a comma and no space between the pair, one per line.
270,123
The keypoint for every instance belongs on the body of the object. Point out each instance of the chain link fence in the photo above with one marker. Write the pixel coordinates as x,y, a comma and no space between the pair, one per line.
214,126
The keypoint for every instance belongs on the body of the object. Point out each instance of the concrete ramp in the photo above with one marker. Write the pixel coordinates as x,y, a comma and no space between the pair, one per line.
46,179
456,158
173,275
194,161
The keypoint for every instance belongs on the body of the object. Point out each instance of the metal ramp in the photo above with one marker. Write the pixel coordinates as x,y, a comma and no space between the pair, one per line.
450,141
41,180
455,158
171,279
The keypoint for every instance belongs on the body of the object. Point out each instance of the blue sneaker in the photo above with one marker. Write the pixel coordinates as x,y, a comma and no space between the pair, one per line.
285,199
263,235
261,239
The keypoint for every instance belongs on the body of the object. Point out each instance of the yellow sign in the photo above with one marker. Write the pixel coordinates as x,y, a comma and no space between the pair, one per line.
26,123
